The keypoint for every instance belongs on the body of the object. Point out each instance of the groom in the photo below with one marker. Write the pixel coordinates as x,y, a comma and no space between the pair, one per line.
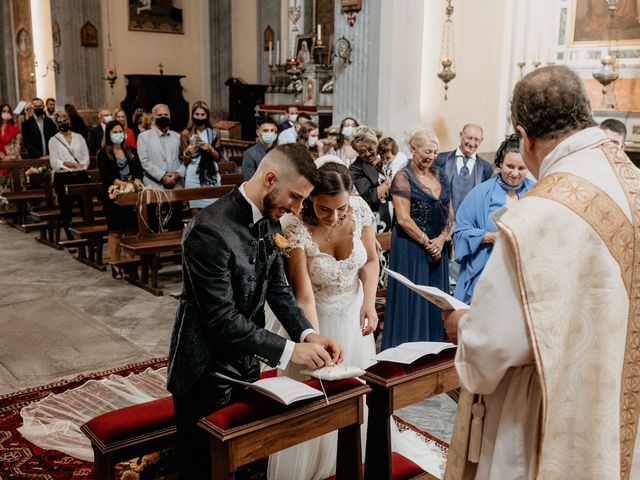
230,267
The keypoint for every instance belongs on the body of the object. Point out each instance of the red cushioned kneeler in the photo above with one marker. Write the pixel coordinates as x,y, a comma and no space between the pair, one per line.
402,468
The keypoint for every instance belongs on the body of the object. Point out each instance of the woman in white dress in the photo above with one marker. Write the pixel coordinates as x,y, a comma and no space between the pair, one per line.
333,269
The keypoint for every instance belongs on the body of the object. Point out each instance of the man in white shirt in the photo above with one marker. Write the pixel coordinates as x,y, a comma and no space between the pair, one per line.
159,152
290,135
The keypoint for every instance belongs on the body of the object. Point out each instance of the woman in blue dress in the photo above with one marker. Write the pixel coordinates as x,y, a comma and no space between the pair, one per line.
475,232
200,143
421,200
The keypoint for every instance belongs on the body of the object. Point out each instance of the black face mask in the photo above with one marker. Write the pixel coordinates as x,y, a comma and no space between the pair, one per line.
51,110
163,122
64,127
199,121
38,111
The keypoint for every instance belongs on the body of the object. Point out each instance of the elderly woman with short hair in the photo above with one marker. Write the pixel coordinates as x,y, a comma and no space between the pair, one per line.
369,179
422,205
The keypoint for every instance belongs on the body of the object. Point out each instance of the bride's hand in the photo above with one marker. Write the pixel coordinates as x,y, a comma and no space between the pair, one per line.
368,319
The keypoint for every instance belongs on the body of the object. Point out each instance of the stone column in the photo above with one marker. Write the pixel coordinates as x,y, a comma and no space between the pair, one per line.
220,48
356,84
23,43
8,84
268,14
79,80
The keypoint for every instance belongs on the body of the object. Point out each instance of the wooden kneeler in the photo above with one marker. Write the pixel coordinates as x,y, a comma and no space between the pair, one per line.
258,426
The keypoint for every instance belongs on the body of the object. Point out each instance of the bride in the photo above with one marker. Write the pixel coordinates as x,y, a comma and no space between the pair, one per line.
333,270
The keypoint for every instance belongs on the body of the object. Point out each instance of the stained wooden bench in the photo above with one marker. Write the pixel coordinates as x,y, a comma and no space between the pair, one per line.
149,248
231,178
395,386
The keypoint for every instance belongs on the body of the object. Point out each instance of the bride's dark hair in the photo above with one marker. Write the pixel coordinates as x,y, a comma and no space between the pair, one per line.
334,179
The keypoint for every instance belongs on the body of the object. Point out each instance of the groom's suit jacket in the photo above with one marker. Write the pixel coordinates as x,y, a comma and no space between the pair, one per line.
229,269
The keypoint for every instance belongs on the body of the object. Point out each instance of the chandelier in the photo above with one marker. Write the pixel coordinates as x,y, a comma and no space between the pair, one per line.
446,50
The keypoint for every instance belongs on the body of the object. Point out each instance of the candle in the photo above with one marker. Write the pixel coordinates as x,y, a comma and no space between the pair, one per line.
278,51
271,53
319,32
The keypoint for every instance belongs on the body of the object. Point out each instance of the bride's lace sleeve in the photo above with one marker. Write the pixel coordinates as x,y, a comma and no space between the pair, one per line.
296,232
362,213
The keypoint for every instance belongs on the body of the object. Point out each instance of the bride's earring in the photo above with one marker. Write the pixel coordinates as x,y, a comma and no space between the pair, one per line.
341,219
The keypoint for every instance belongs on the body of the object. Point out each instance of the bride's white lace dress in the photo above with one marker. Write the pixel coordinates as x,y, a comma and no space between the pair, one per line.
338,296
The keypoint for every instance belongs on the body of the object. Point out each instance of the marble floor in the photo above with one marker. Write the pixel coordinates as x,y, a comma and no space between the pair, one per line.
32,271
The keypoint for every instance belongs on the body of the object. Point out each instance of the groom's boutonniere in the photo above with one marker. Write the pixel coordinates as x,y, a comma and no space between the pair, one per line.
281,244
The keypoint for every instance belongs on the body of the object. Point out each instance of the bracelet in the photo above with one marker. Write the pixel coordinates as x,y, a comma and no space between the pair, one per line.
423,239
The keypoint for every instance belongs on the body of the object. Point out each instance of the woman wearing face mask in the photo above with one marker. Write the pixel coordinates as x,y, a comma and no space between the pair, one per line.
76,121
69,159
9,142
117,164
199,143
129,137
475,232
308,136
343,149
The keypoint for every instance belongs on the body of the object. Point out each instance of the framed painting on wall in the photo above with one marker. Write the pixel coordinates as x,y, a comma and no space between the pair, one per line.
163,16
590,23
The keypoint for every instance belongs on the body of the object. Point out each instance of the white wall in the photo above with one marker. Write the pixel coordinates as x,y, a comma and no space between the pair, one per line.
490,37
141,52
244,40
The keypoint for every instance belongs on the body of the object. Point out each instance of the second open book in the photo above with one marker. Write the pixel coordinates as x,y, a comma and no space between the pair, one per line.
433,294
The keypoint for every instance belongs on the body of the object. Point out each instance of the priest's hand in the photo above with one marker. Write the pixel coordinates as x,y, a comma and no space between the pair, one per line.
329,344
451,319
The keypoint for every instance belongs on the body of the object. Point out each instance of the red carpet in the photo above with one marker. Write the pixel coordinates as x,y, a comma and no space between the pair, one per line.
20,459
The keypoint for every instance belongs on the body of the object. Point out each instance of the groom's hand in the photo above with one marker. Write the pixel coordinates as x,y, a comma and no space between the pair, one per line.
310,355
329,344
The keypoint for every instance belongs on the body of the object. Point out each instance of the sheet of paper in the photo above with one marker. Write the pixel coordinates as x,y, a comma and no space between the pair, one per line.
409,352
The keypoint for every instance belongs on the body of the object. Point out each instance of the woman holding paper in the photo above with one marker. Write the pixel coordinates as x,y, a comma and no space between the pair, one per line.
475,232
421,200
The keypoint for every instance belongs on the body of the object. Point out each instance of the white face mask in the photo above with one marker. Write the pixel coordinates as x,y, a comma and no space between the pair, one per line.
347,131
293,117
107,118
313,141
6,115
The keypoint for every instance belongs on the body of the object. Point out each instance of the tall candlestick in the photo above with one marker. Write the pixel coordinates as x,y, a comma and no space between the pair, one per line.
271,53
278,51
319,32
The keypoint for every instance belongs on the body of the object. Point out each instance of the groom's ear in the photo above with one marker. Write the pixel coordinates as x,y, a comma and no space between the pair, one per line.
270,178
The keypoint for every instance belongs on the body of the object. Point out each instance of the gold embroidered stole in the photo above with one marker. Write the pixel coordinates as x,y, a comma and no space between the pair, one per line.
622,238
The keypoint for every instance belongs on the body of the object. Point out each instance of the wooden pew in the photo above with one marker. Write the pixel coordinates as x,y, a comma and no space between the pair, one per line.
22,196
91,229
148,247
231,178
227,167
395,386
232,150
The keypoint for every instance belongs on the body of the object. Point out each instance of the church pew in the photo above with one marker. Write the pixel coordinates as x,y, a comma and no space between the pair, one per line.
395,386
24,195
150,248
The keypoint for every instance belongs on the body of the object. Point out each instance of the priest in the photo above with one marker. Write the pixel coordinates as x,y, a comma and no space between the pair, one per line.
548,351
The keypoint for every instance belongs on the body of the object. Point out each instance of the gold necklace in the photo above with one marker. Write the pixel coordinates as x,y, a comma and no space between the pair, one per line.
327,236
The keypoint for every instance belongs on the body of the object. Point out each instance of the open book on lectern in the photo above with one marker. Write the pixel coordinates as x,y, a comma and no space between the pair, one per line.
282,389
433,294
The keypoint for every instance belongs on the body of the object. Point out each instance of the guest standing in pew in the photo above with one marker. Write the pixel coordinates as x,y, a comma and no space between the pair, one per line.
117,164
37,130
548,348
69,159
266,135
371,181
422,206
200,143
230,268
159,152
95,138
475,232
129,137
76,121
